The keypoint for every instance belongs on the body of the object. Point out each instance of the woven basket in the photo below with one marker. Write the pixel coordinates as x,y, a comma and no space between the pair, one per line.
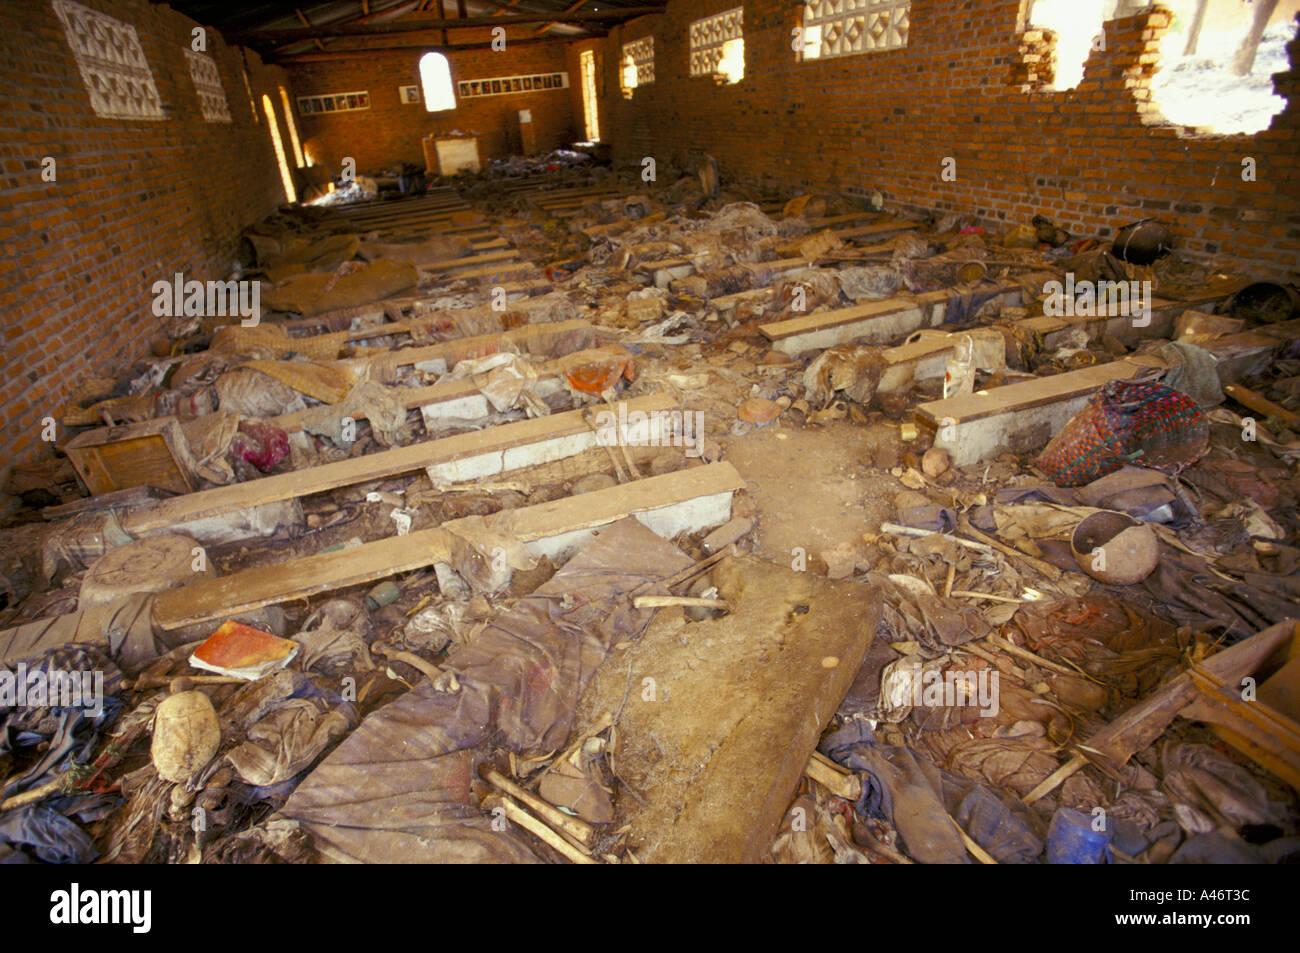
1142,422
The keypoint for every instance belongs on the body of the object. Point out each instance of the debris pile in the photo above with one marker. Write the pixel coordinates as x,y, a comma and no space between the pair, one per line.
529,517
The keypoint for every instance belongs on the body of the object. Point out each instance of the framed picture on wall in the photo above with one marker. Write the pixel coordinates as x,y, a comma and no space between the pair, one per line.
464,88
363,100
496,85
528,83
408,94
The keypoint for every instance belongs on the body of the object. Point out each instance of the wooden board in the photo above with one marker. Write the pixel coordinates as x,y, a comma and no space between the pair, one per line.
523,339
876,230
1054,329
150,453
873,322
118,499
569,197
727,302
393,210
211,600
742,702
470,261
441,220
531,442
494,275
576,202
447,392
475,234
825,222
327,346
376,466
432,223
403,207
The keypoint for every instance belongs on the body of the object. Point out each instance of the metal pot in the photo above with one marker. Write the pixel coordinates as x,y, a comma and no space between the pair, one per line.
1142,242
1265,302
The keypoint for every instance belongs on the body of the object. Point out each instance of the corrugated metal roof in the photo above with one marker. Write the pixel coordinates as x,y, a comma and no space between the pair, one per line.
243,22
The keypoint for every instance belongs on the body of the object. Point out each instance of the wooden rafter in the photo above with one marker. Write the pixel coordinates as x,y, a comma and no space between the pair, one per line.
432,24
302,17
571,9
313,56
366,17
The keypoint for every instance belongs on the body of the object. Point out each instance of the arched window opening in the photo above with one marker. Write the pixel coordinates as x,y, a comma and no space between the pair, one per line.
587,67
629,80
435,80
285,175
293,129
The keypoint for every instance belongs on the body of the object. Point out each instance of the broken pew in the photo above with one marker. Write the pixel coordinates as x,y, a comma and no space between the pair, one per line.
1019,417
684,501
458,401
873,322
530,338
447,460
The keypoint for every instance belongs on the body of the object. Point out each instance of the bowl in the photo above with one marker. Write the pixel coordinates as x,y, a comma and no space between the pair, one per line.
1115,548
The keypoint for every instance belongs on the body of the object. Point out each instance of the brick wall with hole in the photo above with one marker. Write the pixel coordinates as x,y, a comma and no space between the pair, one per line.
132,201
391,131
1092,158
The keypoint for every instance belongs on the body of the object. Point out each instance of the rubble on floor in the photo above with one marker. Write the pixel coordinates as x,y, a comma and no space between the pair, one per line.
549,514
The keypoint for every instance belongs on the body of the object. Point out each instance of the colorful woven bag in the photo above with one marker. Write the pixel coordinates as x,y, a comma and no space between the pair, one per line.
1140,422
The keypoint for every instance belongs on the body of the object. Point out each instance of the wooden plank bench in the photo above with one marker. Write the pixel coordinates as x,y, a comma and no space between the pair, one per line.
686,500
1019,417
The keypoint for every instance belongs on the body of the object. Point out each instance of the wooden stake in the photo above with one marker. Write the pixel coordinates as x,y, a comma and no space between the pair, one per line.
692,571
1261,404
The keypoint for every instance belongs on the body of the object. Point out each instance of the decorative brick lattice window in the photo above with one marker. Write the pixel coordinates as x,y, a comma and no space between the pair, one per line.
845,27
207,82
112,63
708,36
639,56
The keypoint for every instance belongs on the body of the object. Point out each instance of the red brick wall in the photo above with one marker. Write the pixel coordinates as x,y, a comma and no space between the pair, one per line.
1089,158
134,201
391,131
